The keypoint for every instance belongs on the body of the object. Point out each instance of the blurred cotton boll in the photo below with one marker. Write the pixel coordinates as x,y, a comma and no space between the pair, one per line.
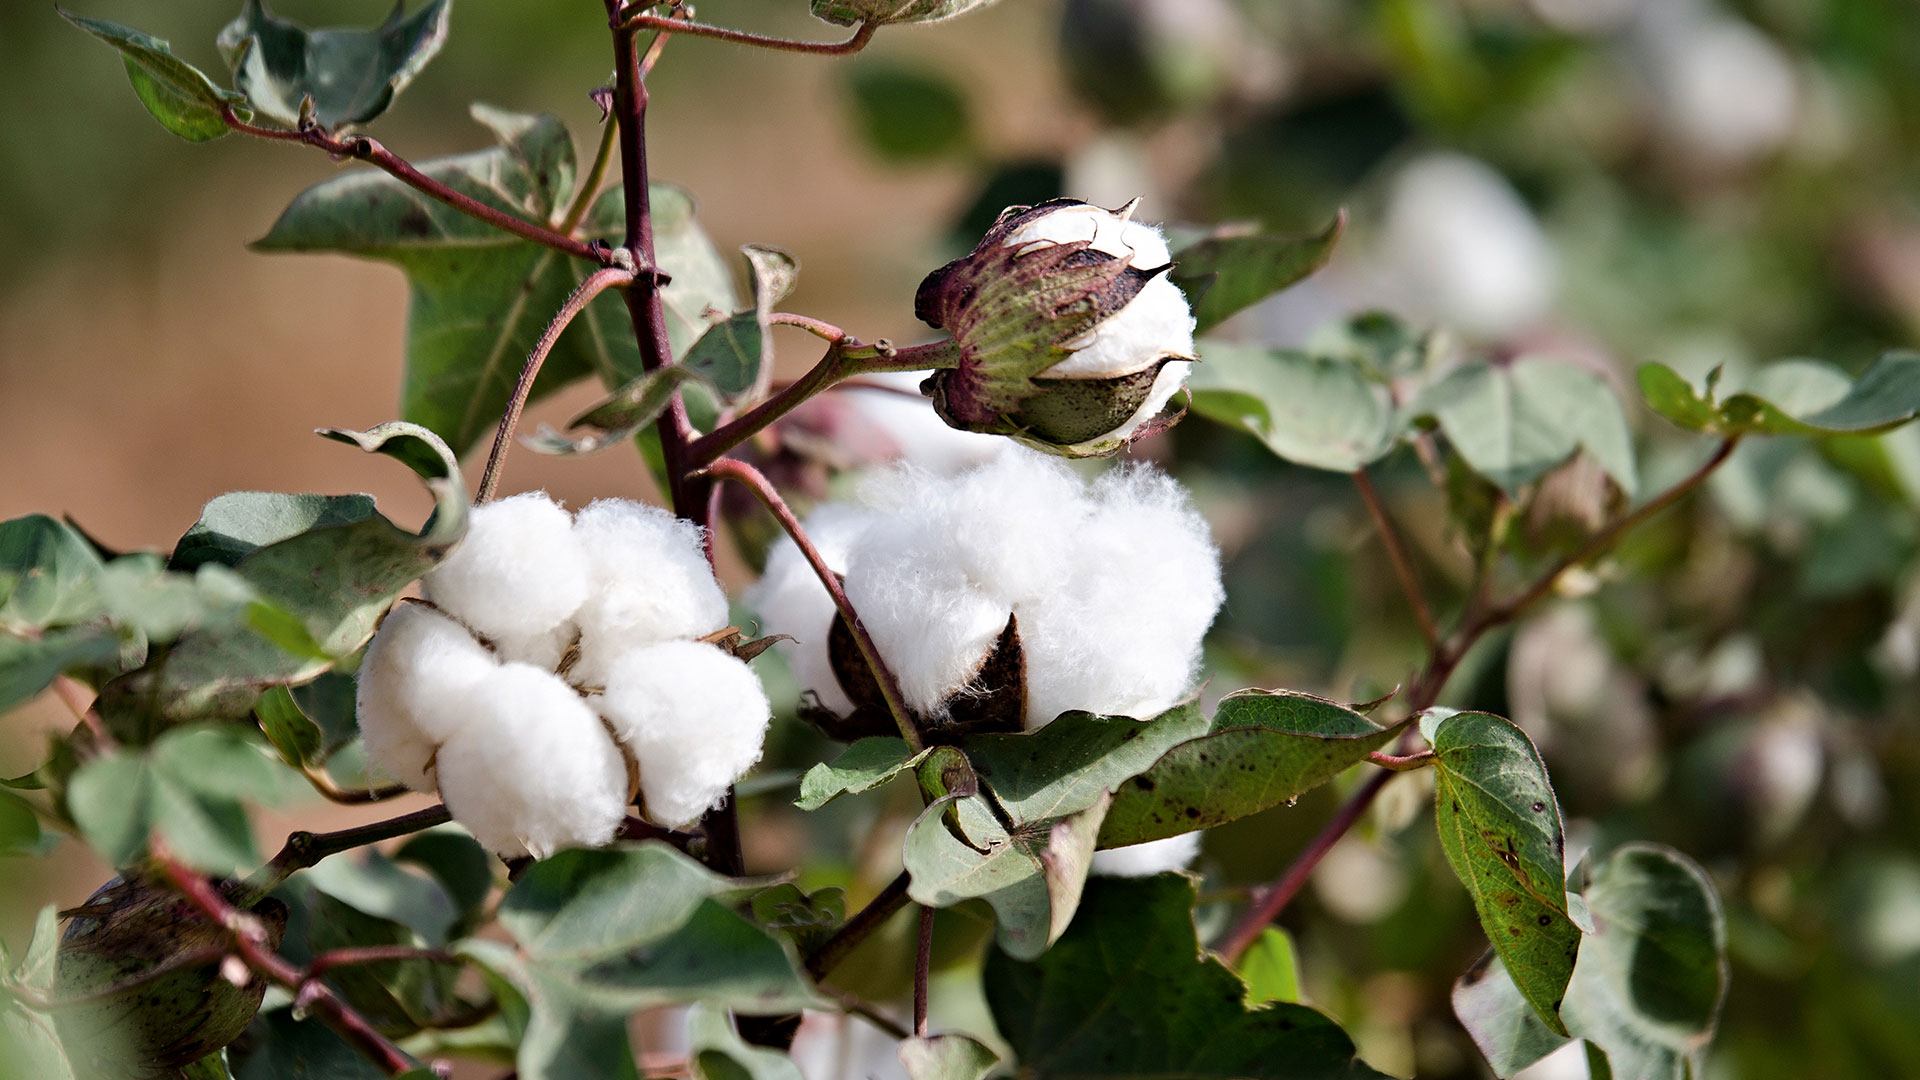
532,770
1723,91
517,577
1150,858
418,683
1460,246
693,716
918,435
651,583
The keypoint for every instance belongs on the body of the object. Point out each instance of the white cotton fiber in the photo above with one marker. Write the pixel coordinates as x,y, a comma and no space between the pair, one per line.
1122,635
693,716
651,583
1156,323
518,574
1150,858
1108,232
418,684
790,599
542,650
1008,525
918,436
932,624
533,771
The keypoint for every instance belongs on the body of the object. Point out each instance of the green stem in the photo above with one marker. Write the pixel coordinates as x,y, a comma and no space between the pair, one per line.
596,176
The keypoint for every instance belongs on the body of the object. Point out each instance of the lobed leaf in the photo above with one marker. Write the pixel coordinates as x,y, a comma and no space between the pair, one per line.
175,92
189,788
338,77
1793,397
1228,272
1647,989
1312,410
1500,829
1127,991
1264,748
947,1057
1514,423
235,525
715,1051
861,767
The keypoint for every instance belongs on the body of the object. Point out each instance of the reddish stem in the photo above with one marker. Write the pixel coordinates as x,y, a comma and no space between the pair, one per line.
370,151
922,966
1397,554
856,929
249,938
742,473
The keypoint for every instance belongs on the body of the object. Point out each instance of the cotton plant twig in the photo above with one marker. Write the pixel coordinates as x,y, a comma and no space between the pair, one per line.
922,968
304,849
856,929
1397,554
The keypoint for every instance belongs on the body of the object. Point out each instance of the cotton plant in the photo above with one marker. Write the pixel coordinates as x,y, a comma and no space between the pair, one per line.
1007,638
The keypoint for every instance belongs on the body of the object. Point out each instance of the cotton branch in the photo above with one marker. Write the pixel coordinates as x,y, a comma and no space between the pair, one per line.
304,849
370,151
856,929
1443,658
249,938
746,475
1397,554
596,283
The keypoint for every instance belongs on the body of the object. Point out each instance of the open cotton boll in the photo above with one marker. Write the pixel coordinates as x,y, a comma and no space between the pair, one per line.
1123,635
693,716
790,599
518,573
417,685
1109,234
1008,524
533,771
933,626
651,583
1156,323
1150,858
542,650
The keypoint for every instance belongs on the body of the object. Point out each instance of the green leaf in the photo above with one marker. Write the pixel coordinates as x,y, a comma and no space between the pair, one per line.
139,595
178,94
298,739
863,766
1793,397
399,996
947,1057
29,665
1064,767
188,787
908,114
19,827
806,919
1265,748
1129,992
848,12
338,77
457,861
1500,828
282,1046
211,1067
480,297
1649,984
1514,423
379,887
1031,872
48,575
235,525
326,587
1229,272
715,1051
1311,410
1271,968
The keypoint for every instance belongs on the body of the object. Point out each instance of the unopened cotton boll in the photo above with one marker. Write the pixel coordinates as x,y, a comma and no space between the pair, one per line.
518,575
418,684
1460,243
651,583
693,716
1071,337
533,770
1150,858
791,600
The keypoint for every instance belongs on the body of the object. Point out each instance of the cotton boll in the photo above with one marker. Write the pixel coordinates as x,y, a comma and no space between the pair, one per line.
543,650
651,583
693,716
1008,525
1123,635
1459,241
1109,234
933,626
417,685
1165,385
1150,858
1723,88
534,771
1156,323
791,600
518,573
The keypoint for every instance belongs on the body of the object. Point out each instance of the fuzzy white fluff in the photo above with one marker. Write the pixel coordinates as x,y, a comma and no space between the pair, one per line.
418,685
1724,90
1114,584
1150,858
1460,244
1109,233
533,771
695,718
652,583
517,575
917,433
791,600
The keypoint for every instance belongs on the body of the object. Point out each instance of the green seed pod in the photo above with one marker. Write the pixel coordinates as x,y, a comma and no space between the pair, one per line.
124,932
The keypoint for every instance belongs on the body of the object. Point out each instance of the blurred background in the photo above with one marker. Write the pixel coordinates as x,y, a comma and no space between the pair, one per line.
1607,181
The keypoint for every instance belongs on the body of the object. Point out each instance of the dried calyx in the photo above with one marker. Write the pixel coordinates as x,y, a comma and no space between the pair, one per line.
562,668
1072,338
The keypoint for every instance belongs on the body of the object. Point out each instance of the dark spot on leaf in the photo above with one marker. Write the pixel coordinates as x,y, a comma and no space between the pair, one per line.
1514,930
1546,920
1539,807
1145,783
1193,811
415,222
